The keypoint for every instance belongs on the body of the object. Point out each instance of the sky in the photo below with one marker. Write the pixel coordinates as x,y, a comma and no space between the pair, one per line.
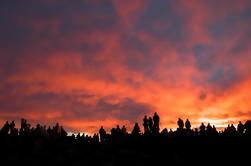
87,63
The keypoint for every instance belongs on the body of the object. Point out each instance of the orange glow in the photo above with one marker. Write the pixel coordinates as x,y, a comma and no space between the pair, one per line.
117,61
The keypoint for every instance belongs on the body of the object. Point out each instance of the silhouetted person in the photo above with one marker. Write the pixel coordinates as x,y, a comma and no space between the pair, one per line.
73,137
23,123
145,124
156,120
196,132
164,132
150,123
209,127
6,128
113,132
56,129
78,137
12,127
226,130
188,125
180,124
118,130
52,145
23,127
136,130
202,129
124,131
63,132
102,134
118,133
247,126
209,130
232,130
95,138
214,130
240,128
49,131
14,132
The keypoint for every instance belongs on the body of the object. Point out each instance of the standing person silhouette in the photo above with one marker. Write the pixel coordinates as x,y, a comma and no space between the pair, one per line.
102,134
5,129
156,120
180,124
145,124
240,128
136,130
150,124
188,125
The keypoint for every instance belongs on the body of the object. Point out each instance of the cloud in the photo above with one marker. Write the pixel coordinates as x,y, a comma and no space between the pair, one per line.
89,62
126,109
130,11
202,96
67,106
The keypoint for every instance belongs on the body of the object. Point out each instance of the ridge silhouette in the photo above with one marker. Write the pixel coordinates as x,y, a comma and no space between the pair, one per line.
42,145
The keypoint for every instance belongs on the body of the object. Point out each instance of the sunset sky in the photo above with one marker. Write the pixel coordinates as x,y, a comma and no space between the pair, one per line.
87,63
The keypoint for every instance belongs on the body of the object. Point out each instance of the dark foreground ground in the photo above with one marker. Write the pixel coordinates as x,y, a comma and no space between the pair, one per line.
41,145
130,150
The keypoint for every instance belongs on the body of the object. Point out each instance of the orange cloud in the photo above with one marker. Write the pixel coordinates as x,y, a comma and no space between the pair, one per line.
113,62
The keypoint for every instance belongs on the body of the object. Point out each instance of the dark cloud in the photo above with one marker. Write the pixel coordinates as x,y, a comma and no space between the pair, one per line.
75,105
32,22
139,60
203,96
125,109
220,74
130,109
246,114
162,20
205,60
228,26
223,77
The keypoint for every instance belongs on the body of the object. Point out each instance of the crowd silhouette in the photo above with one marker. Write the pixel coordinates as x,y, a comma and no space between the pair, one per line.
42,145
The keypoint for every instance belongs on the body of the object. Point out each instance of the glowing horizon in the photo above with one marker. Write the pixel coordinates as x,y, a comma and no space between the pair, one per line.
90,63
